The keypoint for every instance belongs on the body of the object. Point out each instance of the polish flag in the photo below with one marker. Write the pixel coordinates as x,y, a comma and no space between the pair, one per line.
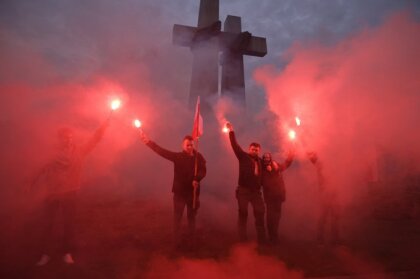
198,122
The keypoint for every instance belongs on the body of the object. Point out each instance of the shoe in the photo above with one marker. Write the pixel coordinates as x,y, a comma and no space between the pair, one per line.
68,259
43,261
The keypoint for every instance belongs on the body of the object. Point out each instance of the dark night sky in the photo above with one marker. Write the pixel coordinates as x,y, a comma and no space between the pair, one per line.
81,38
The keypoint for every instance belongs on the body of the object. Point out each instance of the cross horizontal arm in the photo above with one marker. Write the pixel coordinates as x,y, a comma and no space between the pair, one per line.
245,43
186,35
183,35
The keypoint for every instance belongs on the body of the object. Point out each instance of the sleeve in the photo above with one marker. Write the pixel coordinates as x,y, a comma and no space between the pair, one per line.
94,140
201,169
313,158
286,164
318,166
276,167
169,155
41,178
38,176
235,146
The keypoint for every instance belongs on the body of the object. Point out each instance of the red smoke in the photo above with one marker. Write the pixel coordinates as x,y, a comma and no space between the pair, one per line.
243,263
352,97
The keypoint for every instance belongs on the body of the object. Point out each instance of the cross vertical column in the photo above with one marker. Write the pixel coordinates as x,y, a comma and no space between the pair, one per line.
205,49
233,80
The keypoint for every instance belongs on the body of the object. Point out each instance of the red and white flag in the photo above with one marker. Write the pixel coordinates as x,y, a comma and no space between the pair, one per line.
198,122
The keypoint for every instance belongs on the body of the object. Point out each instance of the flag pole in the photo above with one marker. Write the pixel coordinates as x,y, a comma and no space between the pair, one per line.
195,173
197,132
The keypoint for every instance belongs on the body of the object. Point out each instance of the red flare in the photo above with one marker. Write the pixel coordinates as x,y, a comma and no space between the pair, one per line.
115,104
136,123
297,119
292,135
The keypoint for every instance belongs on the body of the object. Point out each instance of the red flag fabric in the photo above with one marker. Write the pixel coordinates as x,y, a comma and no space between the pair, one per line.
198,122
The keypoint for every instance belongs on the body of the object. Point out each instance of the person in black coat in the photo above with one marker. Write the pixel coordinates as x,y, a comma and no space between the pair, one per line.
59,183
274,192
189,170
329,204
249,187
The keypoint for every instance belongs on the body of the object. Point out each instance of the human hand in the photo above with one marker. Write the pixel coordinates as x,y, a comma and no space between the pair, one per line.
275,165
291,152
143,137
229,126
195,184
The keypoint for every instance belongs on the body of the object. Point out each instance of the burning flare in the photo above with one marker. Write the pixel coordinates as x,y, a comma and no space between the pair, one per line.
115,104
292,134
225,128
297,119
136,123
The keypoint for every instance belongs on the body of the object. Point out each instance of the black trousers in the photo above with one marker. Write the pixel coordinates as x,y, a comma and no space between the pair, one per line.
273,205
58,215
180,202
246,196
329,211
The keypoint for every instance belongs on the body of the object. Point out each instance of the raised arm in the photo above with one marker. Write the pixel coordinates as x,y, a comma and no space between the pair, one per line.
313,157
169,155
95,138
289,160
233,142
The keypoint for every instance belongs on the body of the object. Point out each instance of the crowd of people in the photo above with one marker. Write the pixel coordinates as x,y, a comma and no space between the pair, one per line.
260,183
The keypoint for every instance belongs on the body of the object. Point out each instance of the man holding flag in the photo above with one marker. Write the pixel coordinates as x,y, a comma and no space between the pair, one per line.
189,170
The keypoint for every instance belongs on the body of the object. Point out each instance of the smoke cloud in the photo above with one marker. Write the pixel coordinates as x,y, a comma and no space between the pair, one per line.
358,99
358,103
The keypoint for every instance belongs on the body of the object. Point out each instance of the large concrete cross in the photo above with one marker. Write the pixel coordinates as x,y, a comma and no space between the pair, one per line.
206,41
236,44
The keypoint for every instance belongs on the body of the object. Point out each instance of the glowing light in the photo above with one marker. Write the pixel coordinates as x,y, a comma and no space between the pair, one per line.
225,130
136,123
115,104
297,121
292,135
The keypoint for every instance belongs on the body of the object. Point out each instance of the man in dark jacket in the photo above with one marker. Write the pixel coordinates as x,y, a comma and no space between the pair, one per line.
249,187
274,192
329,205
60,182
189,170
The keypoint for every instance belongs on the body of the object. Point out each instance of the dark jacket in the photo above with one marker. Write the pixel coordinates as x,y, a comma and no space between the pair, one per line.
273,183
247,177
63,173
321,179
184,166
